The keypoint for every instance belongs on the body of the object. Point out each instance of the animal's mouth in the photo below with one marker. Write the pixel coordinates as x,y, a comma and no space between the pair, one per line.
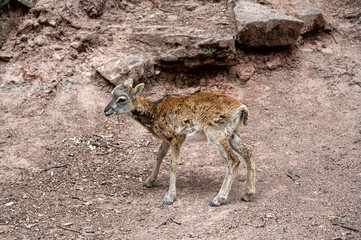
109,114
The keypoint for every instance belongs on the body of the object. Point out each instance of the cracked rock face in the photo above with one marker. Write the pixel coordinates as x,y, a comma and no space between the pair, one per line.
211,51
177,44
258,25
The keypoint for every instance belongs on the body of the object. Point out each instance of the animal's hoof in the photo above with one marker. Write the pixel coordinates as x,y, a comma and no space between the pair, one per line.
245,200
146,186
213,204
166,203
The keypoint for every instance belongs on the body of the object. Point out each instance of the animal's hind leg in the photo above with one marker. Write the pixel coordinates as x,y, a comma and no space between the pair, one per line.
163,149
248,156
232,166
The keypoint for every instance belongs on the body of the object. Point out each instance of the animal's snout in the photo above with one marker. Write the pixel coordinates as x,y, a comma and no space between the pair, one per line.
106,112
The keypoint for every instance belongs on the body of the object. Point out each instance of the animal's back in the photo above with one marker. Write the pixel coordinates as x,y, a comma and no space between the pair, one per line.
201,106
190,115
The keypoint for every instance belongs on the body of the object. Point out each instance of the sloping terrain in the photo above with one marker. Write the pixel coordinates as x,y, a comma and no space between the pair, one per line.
67,172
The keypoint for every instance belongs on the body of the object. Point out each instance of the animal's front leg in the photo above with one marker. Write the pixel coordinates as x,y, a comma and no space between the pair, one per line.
162,151
170,196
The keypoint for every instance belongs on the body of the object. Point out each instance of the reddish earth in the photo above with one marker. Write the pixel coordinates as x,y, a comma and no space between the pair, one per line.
305,106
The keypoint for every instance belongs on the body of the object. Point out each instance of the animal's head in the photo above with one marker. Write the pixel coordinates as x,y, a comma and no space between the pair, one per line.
122,97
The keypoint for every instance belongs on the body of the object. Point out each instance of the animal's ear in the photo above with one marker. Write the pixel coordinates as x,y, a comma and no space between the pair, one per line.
115,89
138,89
129,82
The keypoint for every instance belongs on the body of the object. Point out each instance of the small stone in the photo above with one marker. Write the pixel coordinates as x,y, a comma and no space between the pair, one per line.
9,204
24,38
76,45
57,47
42,19
58,57
51,23
5,57
40,40
94,9
66,225
76,141
191,7
31,225
27,25
327,51
31,43
246,72
306,50
274,63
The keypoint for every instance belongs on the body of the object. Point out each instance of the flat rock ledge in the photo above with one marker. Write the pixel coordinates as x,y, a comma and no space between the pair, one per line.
211,51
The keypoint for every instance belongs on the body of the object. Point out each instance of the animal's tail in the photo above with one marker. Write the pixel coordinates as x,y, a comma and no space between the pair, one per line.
244,115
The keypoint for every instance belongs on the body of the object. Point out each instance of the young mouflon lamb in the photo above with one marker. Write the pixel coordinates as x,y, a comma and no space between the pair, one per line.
201,116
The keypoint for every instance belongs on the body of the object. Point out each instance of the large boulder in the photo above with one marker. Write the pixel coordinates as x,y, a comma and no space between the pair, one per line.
117,69
313,19
258,25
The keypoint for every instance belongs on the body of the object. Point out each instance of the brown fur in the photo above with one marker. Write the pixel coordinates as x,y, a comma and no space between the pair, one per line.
175,119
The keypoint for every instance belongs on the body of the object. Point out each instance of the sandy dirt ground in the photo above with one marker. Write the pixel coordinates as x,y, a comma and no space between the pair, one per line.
67,172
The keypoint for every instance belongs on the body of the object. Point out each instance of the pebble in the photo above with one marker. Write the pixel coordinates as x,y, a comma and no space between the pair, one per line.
327,51
40,40
9,204
306,50
58,57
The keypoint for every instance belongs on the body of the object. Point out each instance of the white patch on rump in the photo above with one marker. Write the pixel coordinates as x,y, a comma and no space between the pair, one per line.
196,136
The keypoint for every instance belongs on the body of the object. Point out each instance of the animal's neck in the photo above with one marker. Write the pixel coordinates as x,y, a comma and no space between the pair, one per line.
143,112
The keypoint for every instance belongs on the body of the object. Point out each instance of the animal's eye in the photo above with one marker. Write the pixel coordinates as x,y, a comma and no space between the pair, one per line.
122,100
